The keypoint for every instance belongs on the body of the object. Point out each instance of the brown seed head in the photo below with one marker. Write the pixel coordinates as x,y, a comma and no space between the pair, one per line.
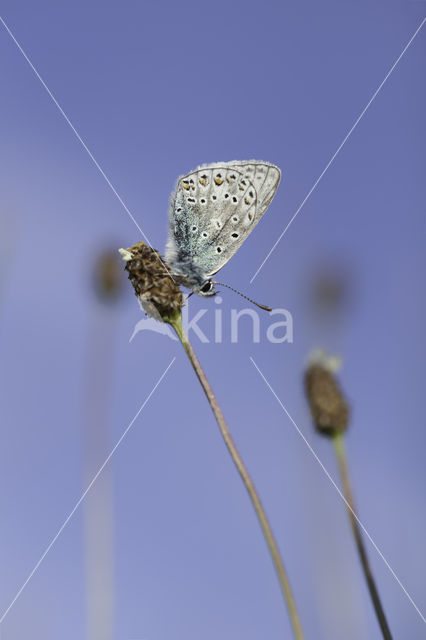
108,276
329,409
158,293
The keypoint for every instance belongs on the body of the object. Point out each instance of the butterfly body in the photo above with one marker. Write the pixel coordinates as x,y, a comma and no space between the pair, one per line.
212,212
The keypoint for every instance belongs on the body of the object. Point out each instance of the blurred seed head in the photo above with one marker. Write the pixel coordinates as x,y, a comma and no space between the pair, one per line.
331,288
329,408
154,287
108,276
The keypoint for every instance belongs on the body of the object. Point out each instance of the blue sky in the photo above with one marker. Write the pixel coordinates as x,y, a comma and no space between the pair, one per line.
154,89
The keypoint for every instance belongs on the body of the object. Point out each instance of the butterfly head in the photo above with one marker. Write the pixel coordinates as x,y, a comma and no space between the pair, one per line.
206,289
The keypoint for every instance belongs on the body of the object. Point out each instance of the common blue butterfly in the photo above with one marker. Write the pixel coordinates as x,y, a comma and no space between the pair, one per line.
212,211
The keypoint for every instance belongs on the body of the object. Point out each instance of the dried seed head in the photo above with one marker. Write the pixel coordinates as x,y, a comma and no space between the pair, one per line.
331,288
154,286
329,409
108,276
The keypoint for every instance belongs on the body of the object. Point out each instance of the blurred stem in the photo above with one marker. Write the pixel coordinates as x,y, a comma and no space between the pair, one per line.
176,322
99,504
339,447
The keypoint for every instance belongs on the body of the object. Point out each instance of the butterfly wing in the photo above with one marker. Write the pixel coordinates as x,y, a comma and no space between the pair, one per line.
214,209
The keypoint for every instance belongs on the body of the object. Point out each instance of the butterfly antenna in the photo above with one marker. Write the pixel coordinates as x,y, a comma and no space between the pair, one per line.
261,306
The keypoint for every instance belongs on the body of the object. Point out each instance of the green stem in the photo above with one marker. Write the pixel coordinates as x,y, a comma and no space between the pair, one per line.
176,323
339,447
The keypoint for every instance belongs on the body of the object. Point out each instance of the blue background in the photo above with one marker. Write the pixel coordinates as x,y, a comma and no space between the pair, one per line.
154,89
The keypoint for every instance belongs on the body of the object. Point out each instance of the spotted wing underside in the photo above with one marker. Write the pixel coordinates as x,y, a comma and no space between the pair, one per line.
215,208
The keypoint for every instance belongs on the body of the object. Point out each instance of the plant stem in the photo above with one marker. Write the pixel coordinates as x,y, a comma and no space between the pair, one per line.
339,447
176,323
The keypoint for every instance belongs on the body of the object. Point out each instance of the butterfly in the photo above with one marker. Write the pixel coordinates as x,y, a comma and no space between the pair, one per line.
212,211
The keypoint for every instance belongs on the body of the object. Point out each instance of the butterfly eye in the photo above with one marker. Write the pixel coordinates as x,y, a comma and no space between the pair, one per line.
235,218
218,249
234,235
206,288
